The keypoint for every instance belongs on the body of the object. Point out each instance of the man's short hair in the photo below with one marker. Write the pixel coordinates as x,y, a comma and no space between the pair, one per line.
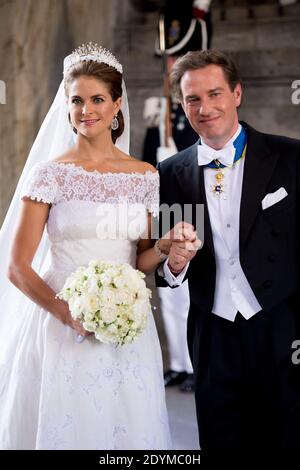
195,60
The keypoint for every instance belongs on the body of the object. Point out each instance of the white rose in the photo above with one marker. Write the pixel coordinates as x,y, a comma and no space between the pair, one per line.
125,296
105,278
112,328
104,336
144,293
90,317
140,312
108,313
75,306
92,285
89,326
108,296
120,281
84,304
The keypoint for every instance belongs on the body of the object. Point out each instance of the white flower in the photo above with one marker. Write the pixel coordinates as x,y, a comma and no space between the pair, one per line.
92,284
110,299
89,326
109,313
75,306
104,336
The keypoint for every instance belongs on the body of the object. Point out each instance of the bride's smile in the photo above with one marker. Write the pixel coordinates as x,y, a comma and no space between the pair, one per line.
91,106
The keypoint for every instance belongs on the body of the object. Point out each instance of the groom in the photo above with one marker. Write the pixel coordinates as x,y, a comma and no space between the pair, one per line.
244,282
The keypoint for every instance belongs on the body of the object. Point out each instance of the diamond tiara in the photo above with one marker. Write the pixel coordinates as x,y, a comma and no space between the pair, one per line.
93,52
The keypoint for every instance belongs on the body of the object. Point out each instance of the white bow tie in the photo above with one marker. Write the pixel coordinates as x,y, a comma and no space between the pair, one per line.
207,154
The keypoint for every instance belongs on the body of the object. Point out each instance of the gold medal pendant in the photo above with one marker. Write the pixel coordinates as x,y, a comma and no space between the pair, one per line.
218,188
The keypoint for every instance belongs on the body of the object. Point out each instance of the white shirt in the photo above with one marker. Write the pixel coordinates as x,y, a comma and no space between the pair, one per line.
233,292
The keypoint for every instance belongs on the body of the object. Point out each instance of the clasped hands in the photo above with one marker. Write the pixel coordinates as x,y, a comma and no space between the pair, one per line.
184,244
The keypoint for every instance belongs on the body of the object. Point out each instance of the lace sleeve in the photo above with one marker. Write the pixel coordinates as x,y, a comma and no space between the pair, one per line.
152,195
41,184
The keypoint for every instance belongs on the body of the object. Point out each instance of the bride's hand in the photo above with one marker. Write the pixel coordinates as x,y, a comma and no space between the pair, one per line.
66,318
77,326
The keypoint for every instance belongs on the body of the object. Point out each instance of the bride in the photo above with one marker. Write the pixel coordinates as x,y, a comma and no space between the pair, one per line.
57,392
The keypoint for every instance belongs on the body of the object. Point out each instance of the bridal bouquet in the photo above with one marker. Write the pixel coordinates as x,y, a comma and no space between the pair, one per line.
111,300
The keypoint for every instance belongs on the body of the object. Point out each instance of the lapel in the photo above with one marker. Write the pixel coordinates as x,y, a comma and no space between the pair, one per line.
190,177
258,169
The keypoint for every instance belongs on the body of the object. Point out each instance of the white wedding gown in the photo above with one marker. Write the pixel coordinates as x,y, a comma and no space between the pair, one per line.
56,393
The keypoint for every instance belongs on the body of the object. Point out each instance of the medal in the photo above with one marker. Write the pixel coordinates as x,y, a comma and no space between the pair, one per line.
218,187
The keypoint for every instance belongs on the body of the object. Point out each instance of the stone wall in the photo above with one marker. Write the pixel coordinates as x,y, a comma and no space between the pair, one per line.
266,47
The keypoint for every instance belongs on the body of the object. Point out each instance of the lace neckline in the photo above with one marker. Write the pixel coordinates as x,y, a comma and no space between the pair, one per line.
80,168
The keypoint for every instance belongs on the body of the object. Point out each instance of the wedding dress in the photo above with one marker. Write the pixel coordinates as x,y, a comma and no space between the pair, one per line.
56,393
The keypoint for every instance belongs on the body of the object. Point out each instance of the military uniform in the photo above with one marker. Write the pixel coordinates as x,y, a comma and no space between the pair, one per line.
187,26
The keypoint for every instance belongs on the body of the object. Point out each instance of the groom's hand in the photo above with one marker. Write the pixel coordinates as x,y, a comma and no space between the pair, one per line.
181,232
185,244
